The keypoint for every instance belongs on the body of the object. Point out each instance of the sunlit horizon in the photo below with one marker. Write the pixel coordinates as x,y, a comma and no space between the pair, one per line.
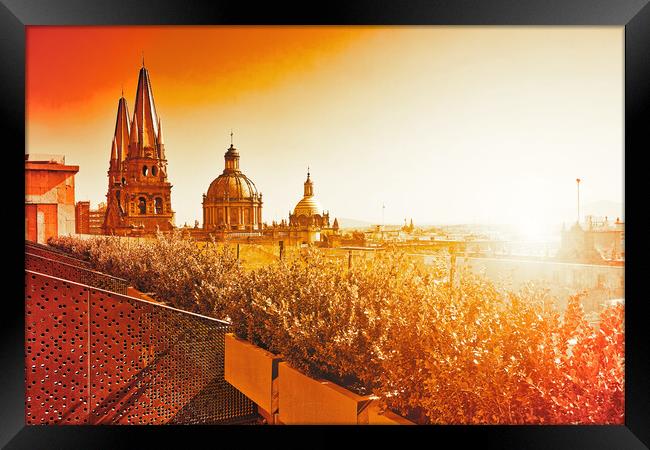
438,124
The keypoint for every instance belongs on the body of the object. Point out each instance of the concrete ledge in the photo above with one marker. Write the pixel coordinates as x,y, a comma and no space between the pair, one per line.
254,372
287,396
305,400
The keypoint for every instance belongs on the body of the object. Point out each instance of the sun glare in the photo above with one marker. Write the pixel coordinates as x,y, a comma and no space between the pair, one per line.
531,230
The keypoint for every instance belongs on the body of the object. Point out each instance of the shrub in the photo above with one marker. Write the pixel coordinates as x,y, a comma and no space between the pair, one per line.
470,353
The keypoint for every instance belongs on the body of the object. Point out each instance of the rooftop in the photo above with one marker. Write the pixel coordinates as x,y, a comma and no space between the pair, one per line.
45,158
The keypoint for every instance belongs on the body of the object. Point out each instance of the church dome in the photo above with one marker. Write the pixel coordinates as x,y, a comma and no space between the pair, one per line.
233,185
309,205
232,203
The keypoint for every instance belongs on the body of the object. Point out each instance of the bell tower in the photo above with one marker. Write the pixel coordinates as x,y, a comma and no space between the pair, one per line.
139,194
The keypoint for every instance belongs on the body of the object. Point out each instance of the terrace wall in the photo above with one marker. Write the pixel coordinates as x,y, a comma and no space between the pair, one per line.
100,357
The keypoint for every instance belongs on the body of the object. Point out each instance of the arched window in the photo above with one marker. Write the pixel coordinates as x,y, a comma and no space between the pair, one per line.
145,170
154,171
158,206
142,205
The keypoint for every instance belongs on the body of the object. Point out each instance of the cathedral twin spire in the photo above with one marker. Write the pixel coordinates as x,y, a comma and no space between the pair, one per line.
139,194
143,131
120,143
145,111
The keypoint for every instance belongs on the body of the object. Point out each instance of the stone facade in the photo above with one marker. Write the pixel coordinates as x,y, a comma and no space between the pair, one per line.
82,217
49,197
138,201
96,219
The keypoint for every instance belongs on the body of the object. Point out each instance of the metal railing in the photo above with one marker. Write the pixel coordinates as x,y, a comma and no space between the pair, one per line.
52,253
78,274
99,357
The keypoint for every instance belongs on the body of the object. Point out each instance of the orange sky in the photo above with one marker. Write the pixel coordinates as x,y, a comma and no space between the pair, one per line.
74,68
438,123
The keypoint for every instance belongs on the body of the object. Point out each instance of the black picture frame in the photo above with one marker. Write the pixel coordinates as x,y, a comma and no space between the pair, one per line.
634,15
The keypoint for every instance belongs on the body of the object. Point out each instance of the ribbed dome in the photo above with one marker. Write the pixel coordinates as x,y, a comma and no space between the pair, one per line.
232,185
308,206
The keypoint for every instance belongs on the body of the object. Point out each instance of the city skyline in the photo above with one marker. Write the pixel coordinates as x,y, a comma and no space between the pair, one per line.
399,135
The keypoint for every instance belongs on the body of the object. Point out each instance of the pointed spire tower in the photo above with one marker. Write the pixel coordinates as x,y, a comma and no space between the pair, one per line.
139,196
133,139
120,143
161,142
144,113
113,164
121,136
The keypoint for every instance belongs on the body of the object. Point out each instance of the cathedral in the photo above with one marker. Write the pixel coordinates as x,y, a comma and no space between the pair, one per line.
139,194
138,201
232,204
308,219
308,223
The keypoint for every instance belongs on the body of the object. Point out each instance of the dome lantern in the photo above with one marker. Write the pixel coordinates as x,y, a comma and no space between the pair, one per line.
309,186
232,157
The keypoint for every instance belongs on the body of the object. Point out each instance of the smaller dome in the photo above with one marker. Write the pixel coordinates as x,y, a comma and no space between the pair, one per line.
308,206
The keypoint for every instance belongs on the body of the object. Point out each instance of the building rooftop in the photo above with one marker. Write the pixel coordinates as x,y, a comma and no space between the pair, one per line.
47,162
45,158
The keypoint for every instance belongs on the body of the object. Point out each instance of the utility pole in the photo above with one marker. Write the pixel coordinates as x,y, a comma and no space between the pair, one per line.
452,269
383,207
578,185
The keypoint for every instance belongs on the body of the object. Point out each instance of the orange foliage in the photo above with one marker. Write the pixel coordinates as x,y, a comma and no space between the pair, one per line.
471,353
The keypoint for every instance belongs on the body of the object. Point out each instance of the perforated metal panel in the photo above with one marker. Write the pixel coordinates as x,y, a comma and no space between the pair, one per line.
51,253
132,362
56,351
74,273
